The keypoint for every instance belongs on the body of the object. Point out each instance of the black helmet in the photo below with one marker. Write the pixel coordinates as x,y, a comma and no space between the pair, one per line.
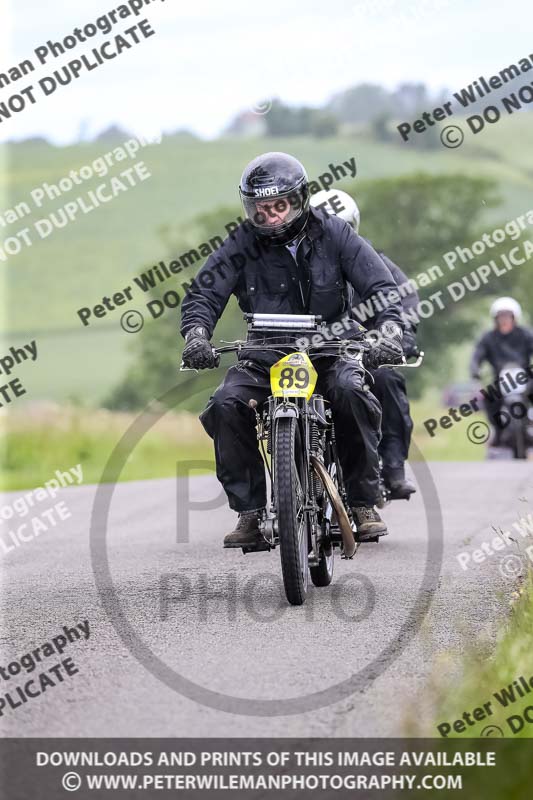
275,195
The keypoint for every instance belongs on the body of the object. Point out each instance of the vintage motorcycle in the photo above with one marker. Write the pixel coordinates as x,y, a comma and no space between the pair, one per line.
515,418
309,516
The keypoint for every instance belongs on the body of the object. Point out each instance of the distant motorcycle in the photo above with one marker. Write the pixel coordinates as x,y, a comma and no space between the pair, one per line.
515,417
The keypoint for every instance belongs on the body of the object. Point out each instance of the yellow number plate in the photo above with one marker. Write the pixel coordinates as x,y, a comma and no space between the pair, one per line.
293,376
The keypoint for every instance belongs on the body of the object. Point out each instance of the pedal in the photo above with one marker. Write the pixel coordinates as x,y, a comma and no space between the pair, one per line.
400,495
257,548
372,539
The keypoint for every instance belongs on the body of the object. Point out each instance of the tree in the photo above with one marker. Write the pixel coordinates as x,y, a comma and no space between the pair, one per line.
380,127
415,220
324,125
361,103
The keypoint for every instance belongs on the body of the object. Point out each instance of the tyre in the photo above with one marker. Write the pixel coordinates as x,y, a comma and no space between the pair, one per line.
322,574
292,519
519,439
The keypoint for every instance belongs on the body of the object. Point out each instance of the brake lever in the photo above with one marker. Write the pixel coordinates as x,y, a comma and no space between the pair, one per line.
404,363
416,363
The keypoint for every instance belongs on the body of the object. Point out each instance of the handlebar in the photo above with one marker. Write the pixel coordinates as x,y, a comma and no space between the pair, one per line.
342,346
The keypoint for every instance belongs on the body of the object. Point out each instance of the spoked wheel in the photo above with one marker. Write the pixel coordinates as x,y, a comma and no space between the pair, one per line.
292,519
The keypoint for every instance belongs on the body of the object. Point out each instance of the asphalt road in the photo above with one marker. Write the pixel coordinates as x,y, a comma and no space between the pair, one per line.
219,619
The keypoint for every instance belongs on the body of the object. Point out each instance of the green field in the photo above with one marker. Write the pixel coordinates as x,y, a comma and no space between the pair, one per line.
48,437
100,252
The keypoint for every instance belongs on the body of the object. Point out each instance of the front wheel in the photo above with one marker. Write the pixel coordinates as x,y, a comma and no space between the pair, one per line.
292,519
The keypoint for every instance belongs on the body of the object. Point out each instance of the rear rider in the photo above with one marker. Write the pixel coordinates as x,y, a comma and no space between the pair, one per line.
389,384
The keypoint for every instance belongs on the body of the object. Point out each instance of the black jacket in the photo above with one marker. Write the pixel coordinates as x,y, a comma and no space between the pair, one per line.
267,279
409,300
499,349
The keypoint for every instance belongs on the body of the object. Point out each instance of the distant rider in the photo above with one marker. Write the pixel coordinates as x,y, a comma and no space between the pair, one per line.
507,343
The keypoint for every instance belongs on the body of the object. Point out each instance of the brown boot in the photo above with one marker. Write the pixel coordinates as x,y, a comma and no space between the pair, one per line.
369,523
246,531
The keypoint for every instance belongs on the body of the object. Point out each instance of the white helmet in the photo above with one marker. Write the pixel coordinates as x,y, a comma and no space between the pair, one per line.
334,201
506,304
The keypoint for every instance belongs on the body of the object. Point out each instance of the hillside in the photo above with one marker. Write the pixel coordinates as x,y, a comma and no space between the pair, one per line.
99,252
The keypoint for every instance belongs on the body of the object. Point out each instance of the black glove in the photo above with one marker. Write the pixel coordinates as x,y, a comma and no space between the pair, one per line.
199,352
385,346
410,347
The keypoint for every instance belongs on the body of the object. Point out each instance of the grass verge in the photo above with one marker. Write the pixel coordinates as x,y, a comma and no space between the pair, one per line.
51,438
42,438
498,684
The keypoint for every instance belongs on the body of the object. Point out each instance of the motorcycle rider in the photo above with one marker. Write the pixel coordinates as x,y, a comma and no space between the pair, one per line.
287,258
389,384
508,342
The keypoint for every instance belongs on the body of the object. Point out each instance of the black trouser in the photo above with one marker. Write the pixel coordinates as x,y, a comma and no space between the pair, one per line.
396,425
231,423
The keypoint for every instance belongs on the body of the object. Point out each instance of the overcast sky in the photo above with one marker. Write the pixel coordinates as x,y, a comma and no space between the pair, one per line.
211,58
